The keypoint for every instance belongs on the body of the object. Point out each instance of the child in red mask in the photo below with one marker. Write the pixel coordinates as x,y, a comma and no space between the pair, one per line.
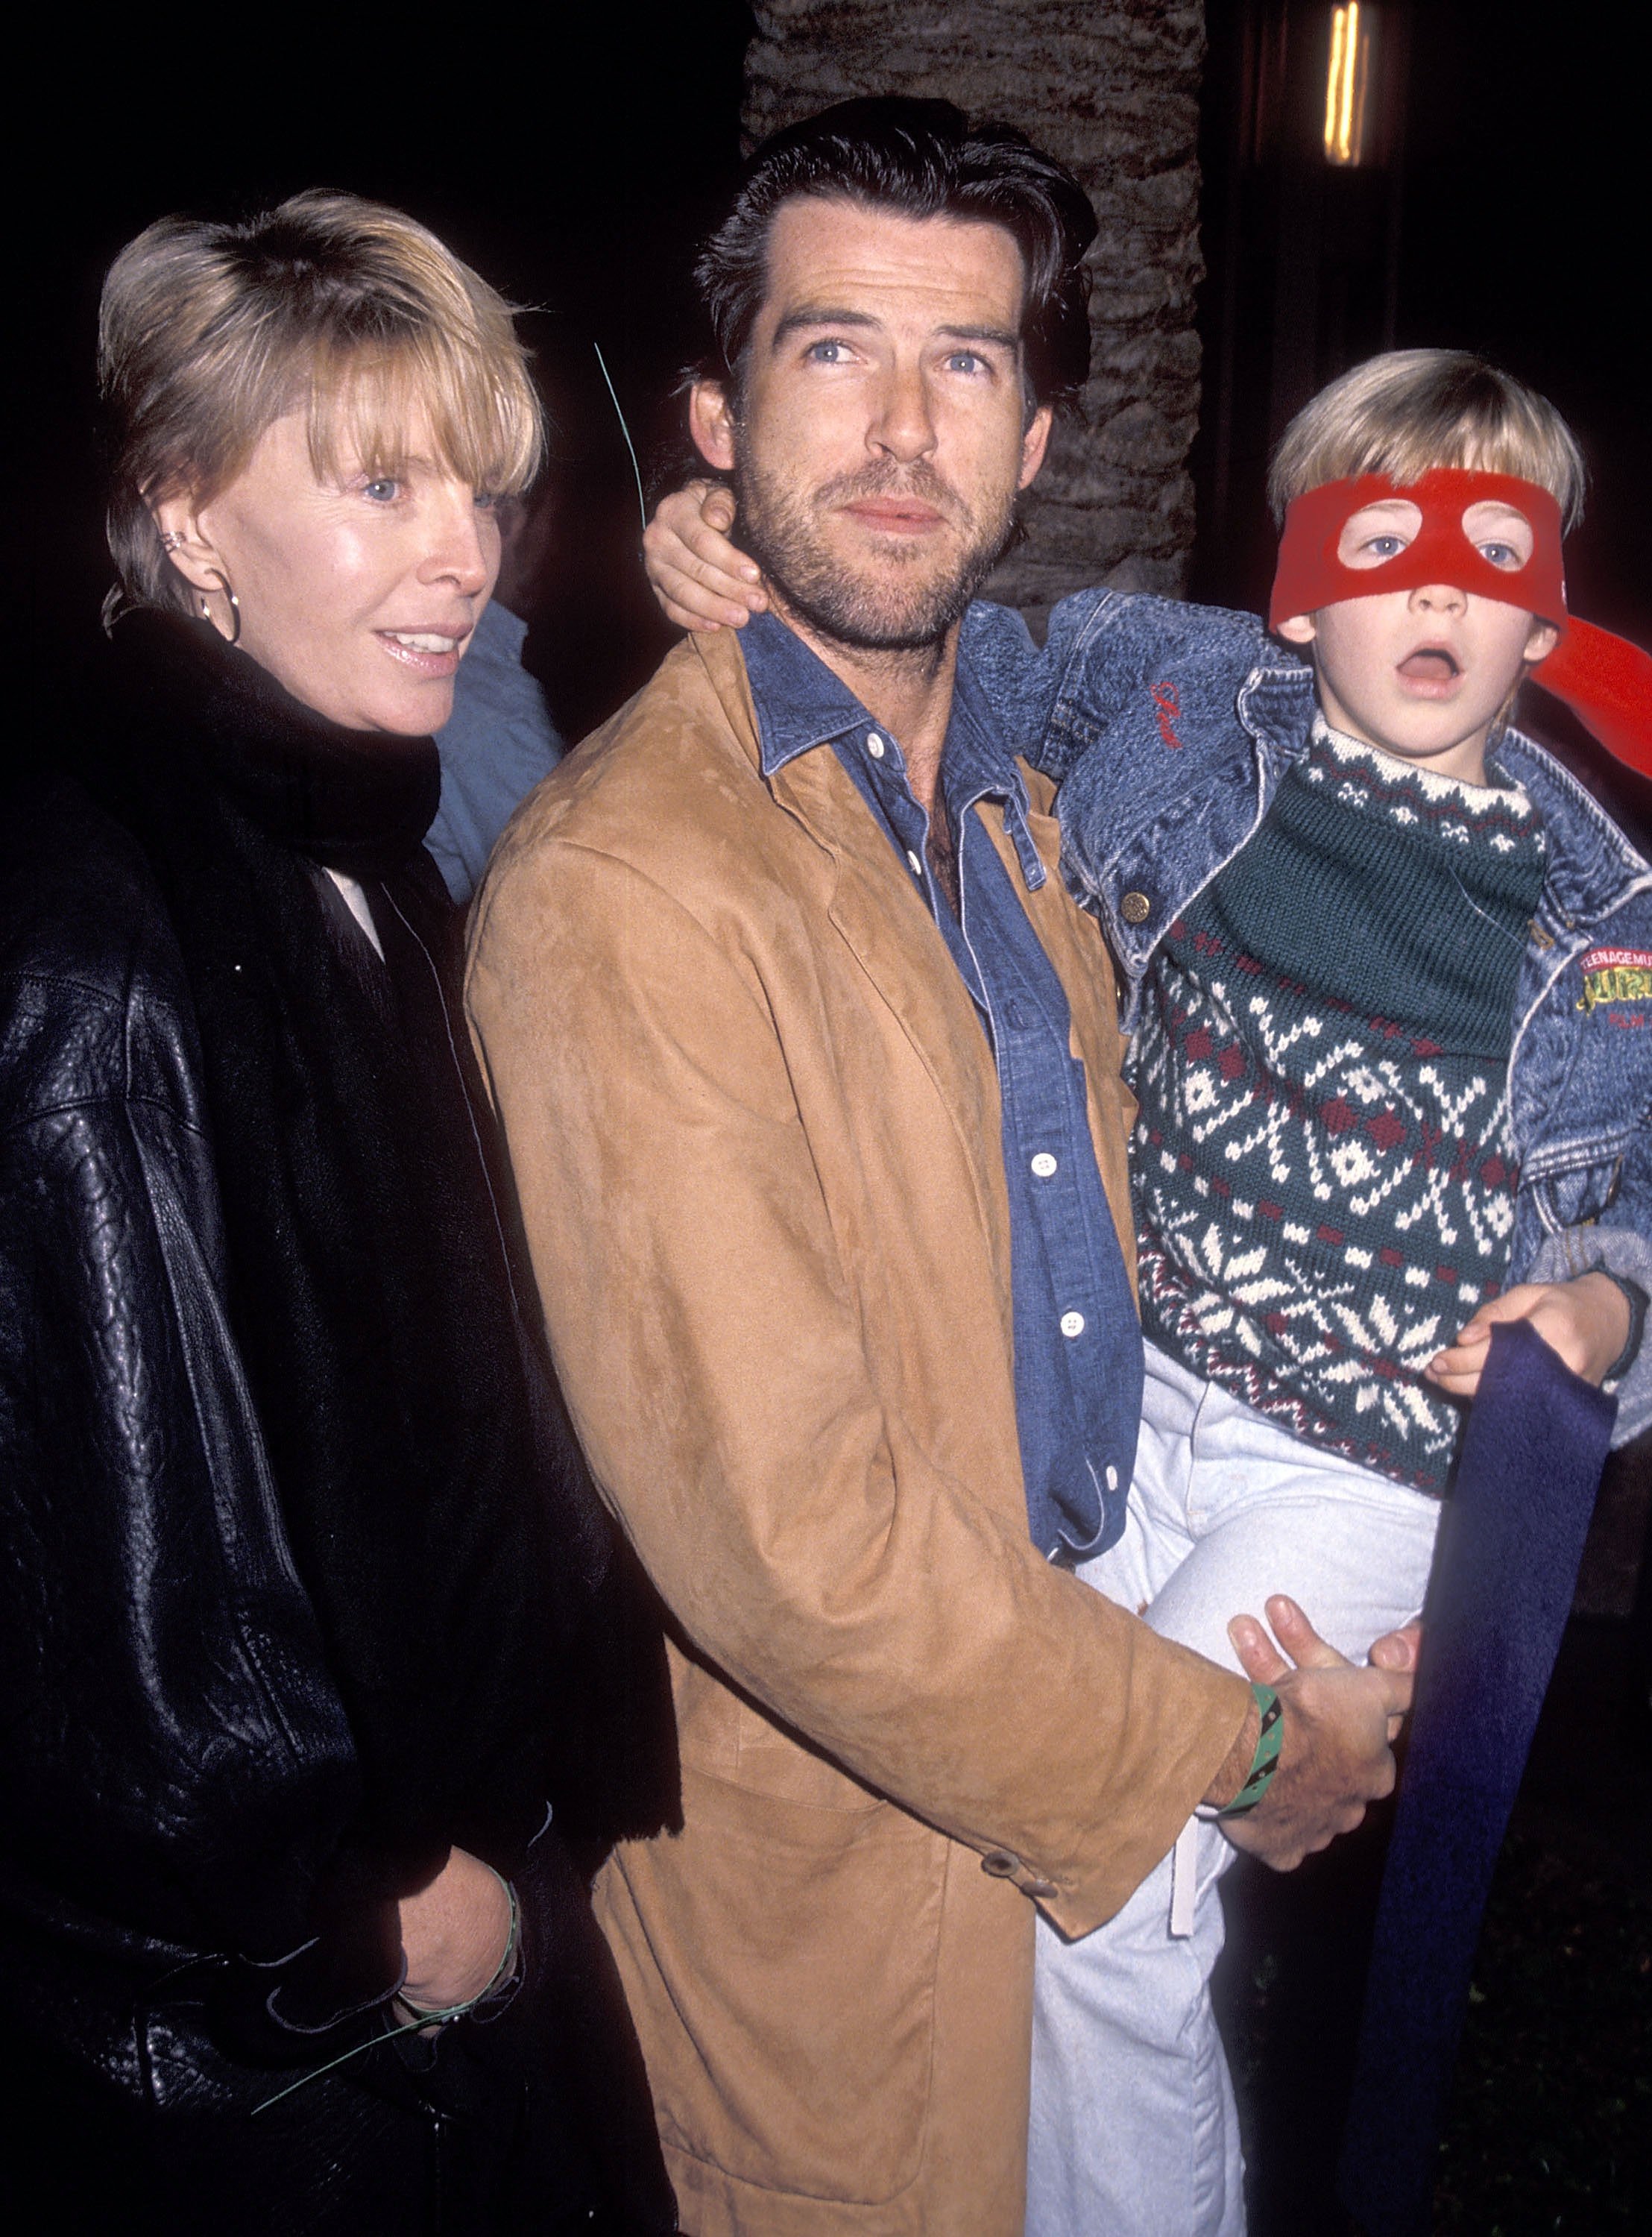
1390,974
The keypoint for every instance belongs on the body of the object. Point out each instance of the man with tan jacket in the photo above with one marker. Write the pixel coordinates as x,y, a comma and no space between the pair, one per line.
809,1070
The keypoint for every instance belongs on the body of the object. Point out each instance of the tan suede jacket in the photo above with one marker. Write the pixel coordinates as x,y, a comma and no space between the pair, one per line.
755,1122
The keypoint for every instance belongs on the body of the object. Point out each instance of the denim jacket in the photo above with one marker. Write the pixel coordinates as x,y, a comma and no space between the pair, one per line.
1168,728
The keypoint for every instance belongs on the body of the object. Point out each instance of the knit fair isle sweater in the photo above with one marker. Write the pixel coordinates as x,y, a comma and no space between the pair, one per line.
1325,1178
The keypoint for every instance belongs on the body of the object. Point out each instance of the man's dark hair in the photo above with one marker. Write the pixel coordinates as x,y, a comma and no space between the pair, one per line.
920,159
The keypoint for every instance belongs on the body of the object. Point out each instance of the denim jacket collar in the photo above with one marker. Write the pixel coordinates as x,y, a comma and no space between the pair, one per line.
1598,869
1276,706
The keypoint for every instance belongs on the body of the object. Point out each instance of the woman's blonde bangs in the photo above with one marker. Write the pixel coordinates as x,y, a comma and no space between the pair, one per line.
1409,410
472,411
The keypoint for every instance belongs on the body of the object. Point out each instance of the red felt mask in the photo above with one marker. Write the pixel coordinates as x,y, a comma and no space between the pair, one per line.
1606,681
1311,575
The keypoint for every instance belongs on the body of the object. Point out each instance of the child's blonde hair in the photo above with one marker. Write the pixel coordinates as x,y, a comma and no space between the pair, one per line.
1410,409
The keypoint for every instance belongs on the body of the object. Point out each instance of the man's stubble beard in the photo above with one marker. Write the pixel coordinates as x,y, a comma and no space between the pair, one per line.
780,527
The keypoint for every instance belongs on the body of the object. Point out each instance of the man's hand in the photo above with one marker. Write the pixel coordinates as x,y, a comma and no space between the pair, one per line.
1335,1755
701,580
455,1933
1395,1650
1587,1322
1262,1659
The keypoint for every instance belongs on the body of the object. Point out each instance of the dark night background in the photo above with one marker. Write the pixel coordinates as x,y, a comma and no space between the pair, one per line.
575,159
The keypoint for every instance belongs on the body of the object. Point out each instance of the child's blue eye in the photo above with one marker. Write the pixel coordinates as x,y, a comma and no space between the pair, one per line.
1385,547
1501,555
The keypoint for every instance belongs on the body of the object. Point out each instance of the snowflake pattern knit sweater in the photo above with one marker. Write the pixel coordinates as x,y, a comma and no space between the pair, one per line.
1324,1180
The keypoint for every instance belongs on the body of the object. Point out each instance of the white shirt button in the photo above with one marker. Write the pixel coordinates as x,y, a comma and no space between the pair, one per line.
1112,1478
1043,1165
874,745
1072,1324
917,868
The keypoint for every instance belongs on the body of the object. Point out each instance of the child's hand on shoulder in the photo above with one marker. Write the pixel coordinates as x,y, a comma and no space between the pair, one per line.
1586,1321
701,580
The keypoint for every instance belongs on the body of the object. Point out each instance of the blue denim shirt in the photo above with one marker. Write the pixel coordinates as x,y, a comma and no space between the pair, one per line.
1078,1344
1168,729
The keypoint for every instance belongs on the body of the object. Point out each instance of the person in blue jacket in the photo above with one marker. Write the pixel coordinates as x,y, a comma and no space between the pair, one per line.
500,739
1389,987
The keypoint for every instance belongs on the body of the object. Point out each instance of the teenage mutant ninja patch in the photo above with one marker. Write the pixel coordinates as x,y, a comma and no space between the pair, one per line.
1616,975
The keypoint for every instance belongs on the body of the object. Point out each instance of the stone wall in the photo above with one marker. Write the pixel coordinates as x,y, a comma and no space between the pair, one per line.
1112,89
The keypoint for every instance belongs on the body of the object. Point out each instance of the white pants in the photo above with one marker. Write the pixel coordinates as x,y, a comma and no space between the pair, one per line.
1134,2128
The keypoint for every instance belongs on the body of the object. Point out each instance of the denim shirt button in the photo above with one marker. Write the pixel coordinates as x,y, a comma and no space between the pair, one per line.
916,866
1043,1165
874,745
1072,1324
1135,908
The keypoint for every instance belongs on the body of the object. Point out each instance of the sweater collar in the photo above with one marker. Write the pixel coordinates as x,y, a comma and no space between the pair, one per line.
1339,750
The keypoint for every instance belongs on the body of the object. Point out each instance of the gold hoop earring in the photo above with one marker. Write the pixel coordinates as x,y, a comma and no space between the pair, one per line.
235,604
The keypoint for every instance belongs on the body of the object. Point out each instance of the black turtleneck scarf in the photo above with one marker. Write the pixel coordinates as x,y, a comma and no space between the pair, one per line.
487,1637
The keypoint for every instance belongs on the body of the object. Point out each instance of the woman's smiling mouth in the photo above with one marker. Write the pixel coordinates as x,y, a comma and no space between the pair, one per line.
433,652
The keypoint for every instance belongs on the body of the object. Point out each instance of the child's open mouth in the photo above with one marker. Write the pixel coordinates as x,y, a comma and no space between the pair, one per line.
1431,663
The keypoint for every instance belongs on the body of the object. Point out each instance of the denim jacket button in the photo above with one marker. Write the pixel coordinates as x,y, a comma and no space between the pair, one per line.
1135,908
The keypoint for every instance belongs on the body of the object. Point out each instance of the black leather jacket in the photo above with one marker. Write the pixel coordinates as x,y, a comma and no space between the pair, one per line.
176,1770
176,1764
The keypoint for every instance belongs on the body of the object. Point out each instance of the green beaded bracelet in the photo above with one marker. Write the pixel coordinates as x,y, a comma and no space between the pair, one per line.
1265,1761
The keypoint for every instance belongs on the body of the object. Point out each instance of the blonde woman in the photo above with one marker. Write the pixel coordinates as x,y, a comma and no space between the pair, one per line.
316,1641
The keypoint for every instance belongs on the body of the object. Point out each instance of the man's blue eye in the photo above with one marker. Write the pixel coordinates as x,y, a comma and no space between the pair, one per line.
818,350
964,362
382,491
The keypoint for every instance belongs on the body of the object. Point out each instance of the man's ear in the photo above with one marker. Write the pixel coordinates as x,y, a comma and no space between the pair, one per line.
1035,443
1301,629
711,422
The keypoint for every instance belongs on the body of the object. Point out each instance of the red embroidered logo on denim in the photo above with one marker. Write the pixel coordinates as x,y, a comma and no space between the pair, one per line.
1166,705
